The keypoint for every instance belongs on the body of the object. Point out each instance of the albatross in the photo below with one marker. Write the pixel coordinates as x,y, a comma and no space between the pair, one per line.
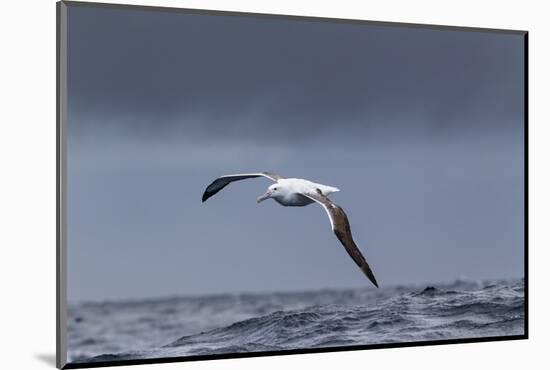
291,192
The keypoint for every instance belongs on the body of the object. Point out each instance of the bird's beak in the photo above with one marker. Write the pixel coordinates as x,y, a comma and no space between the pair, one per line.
261,198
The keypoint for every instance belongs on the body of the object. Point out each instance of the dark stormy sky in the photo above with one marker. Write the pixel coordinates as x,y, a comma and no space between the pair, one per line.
421,129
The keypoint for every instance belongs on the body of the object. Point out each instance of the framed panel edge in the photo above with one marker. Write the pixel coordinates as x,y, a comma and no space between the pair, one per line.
61,185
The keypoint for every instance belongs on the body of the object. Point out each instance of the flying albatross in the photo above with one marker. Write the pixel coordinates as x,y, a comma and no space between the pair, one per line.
299,193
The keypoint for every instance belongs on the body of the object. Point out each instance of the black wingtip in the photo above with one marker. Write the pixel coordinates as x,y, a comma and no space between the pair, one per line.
371,277
204,197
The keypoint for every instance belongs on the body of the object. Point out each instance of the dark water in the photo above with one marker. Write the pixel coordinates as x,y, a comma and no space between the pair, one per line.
183,326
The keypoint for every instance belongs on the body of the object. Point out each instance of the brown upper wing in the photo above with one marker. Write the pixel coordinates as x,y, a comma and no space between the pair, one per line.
222,182
341,227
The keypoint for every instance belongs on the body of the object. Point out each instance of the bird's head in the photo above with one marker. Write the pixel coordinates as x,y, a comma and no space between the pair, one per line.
274,191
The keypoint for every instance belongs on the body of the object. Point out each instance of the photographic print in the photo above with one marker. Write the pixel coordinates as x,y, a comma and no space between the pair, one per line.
239,184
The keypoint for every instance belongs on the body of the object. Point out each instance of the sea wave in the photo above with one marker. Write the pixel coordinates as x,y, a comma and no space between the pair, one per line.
449,311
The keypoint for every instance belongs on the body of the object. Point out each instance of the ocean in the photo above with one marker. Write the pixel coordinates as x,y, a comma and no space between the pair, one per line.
230,323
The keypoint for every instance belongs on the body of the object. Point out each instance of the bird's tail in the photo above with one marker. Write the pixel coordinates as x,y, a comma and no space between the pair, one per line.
330,189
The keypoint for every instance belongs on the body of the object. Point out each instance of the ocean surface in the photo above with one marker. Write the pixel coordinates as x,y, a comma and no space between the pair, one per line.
217,324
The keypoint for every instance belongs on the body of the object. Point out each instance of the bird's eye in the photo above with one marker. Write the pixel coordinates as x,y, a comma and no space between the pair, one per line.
274,188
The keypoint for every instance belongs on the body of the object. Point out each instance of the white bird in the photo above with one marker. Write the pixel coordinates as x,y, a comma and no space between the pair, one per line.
299,193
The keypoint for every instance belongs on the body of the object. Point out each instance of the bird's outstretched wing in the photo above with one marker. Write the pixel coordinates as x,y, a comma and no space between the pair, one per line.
223,181
340,227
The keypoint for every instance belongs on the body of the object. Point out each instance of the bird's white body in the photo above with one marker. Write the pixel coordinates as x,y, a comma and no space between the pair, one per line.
288,192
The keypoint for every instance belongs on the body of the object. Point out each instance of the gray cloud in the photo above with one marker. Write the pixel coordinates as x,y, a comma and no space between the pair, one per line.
421,129
178,72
